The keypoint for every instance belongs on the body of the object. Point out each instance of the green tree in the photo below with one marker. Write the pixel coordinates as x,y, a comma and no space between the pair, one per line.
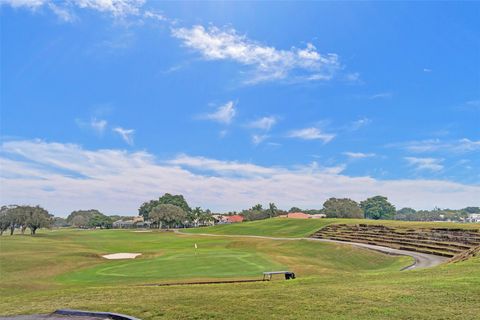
4,219
205,217
342,208
272,210
146,207
257,207
16,216
167,198
79,221
89,218
100,221
176,200
38,218
167,214
59,222
193,216
294,209
472,210
378,207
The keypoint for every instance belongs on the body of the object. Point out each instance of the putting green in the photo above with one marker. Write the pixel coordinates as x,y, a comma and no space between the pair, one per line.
184,265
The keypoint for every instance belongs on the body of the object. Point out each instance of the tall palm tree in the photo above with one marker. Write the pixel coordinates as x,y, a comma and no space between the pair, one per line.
272,210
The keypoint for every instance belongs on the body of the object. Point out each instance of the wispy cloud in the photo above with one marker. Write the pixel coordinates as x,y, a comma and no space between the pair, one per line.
117,181
357,124
473,104
430,164
464,145
359,155
224,114
258,138
264,123
381,95
96,125
125,134
311,133
267,63
427,70
62,12
65,9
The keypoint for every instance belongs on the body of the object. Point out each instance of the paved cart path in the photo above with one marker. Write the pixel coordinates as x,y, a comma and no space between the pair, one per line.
422,260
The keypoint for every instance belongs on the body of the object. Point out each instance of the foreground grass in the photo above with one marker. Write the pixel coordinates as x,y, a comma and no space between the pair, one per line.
63,269
283,227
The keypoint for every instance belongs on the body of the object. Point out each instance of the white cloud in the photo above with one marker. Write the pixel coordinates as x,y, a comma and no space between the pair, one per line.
464,145
66,177
29,4
224,113
353,77
311,134
264,123
98,125
258,138
381,95
427,70
268,63
63,13
126,134
430,164
357,124
117,8
222,167
359,155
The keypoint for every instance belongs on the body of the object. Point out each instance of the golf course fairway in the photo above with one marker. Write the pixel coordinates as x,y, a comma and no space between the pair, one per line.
64,268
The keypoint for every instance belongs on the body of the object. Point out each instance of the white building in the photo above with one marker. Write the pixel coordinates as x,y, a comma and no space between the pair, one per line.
474,217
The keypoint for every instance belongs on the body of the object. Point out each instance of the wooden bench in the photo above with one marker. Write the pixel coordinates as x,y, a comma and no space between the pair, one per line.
268,275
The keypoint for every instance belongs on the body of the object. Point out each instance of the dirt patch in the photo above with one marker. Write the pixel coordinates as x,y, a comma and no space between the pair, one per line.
122,255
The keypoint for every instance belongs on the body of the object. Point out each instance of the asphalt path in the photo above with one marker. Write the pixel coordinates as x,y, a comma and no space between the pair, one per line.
422,260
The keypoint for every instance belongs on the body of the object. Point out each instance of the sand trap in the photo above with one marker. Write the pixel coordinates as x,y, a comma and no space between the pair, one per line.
143,231
116,256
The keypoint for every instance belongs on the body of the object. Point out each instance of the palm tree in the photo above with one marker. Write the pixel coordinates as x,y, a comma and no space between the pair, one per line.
272,210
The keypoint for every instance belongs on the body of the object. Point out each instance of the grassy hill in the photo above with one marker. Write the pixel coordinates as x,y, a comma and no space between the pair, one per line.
283,227
64,269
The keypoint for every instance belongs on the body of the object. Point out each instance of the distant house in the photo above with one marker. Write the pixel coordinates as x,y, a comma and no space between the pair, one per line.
295,215
474,217
120,224
301,215
233,219
134,222
219,218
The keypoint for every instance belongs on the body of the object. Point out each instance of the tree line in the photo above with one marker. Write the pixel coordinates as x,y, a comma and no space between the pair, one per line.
437,214
377,207
23,217
173,211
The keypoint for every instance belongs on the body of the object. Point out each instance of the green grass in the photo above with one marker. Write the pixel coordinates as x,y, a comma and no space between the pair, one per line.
283,227
64,269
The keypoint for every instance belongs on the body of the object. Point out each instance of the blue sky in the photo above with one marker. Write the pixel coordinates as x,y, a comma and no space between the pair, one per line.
107,104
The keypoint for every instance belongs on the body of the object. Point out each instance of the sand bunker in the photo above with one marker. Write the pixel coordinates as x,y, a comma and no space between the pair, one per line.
116,256
143,231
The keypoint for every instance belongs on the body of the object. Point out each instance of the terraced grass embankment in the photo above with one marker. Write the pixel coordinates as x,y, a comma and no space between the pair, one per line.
442,241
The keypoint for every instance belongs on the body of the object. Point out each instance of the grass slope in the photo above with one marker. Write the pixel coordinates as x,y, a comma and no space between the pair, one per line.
283,227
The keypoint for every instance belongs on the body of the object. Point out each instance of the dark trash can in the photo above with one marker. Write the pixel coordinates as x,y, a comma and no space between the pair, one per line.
289,275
